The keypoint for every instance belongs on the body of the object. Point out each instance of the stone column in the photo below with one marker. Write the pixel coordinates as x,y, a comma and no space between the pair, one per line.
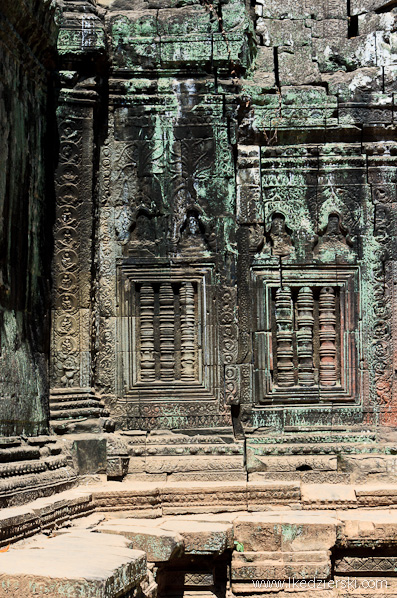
284,323
304,337
328,376
72,396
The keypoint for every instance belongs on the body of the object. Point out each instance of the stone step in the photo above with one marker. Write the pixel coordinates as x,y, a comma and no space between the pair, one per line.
18,468
16,490
78,563
34,467
81,404
45,513
20,453
77,413
69,405
22,468
6,441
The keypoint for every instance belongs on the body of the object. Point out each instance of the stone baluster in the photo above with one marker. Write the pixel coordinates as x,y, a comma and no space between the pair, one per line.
327,320
284,323
304,337
147,332
167,332
188,335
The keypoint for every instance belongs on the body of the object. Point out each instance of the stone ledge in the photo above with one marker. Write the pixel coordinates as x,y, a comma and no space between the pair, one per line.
81,563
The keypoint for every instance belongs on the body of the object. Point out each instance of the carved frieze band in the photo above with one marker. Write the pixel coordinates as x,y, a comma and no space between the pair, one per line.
366,564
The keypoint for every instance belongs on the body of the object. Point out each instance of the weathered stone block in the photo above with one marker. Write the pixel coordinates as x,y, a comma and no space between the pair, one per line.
287,532
261,494
202,537
160,545
285,32
90,453
327,495
137,497
364,527
363,468
257,462
203,497
117,467
86,564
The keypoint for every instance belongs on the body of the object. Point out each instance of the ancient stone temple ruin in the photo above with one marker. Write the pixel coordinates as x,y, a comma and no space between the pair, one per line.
198,317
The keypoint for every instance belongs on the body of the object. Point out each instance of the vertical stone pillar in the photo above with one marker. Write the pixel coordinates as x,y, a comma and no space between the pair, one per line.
327,320
304,337
167,332
284,323
71,372
188,340
147,333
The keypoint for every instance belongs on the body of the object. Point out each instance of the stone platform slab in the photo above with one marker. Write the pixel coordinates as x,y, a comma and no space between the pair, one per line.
79,563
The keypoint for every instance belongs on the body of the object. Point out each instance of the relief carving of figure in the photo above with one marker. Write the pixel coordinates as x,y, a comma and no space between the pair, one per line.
143,232
280,238
193,234
334,243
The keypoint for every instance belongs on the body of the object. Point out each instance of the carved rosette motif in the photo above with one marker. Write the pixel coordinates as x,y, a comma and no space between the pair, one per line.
327,319
382,341
304,336
229,337
284,335
66,328
105,358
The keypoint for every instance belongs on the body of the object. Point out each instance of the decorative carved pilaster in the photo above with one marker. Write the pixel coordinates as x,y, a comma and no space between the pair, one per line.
72,395
188,336
327,319
167,332
304,337
284,324
147,333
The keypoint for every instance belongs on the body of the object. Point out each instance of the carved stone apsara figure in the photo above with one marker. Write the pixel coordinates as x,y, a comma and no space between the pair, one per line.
192,236
281,241
334,243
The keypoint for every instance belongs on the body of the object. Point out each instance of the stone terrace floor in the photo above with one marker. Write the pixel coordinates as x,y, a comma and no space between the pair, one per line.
109,539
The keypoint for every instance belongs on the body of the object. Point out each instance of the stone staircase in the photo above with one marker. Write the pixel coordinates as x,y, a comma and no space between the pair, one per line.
33,467
76,409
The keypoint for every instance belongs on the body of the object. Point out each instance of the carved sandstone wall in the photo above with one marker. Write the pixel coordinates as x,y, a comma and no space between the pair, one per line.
225,221
27,48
